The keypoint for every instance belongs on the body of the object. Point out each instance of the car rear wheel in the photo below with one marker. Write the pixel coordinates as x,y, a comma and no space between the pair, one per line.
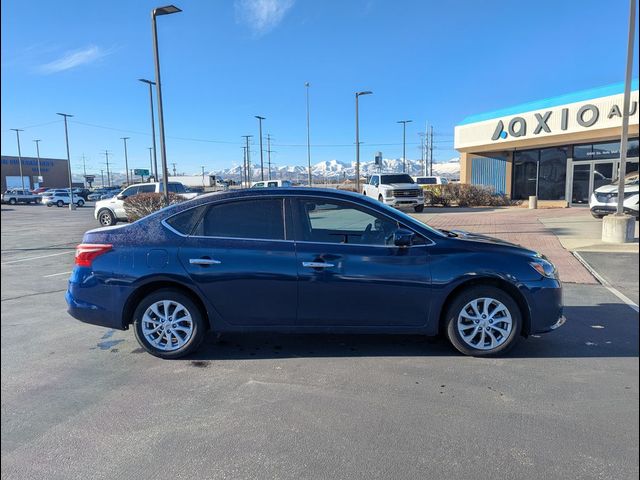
106,218
80,203
60,203
12,201
483,321
168,324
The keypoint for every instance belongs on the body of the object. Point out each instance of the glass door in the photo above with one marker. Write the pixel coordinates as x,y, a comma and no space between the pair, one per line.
580,183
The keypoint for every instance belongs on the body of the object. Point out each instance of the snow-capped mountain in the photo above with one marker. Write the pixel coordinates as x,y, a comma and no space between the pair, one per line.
336,171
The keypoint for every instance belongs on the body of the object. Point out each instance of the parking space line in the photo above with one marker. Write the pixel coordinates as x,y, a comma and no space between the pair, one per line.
606,284
56,274
36,258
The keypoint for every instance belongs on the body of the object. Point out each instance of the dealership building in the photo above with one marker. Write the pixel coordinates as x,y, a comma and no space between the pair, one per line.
561,148
44,172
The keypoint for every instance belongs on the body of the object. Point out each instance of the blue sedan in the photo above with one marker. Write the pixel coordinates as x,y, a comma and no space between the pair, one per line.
307,260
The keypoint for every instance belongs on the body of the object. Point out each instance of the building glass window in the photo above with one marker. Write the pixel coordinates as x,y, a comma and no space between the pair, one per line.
525,165
604,150
552,175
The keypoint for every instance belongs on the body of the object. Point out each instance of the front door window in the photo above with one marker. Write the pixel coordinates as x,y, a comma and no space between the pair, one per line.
580,185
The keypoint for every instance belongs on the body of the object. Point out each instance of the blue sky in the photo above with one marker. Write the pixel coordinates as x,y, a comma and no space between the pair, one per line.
223,62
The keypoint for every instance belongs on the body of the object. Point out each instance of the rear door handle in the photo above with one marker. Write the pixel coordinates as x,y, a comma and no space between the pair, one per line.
317,265
204,261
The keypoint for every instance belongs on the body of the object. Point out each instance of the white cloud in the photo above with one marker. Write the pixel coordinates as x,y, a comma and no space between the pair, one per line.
262,16
74,59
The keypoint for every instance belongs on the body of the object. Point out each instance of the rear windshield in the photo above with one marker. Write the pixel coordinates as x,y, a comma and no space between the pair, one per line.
400,178
426,181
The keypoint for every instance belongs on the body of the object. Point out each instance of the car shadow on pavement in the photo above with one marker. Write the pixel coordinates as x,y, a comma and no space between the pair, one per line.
604,330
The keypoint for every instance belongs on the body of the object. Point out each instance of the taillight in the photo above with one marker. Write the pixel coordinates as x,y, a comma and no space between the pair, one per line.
86,252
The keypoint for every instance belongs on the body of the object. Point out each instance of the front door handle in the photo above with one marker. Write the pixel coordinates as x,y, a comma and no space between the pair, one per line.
317,265
204,261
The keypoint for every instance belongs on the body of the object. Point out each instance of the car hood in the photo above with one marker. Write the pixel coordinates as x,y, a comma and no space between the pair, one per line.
485,240
614,188
402,185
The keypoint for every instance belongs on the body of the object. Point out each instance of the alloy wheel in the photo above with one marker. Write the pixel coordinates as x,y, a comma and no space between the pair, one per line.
484,323
167,325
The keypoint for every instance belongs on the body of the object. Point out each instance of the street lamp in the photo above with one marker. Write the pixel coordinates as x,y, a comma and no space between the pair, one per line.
261,159
72,205
38,154
18,130
307,85
154,165
168,10
358,94
126,158
404,144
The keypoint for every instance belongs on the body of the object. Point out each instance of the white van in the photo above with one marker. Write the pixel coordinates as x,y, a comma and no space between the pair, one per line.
271,183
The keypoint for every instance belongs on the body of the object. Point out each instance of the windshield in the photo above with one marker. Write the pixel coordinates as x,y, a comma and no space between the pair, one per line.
400,178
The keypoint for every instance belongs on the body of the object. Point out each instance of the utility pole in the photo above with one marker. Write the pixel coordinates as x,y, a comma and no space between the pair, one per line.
174,169
243,170
269,155
102,178
307,85
72,206
248,150
431,153
38,153
261,156
423,154
404,144
126,158
18,130
106,155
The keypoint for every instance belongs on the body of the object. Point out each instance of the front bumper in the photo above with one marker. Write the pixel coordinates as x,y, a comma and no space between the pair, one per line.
403,201
544,298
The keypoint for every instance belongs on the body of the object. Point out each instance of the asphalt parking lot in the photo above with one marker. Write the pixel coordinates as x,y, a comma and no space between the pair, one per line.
79,401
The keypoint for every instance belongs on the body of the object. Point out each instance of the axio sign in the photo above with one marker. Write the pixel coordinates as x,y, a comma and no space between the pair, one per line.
586,116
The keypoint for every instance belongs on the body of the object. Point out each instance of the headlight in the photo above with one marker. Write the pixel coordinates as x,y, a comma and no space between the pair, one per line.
544,267
388,194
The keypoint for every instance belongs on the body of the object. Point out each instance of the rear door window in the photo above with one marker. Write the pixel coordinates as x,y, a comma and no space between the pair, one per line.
260,219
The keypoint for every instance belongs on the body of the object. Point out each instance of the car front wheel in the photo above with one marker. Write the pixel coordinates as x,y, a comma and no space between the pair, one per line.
106,218
60,203
418,208
483,321
168,324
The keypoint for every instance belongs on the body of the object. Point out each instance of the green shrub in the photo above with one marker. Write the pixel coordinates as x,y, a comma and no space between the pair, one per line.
143,204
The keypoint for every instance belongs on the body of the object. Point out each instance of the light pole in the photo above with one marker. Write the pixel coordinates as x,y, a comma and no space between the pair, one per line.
168,10
151,163
72,205
126,158
37,142
358,140
261,155
307,85
154,165
18,130
404,144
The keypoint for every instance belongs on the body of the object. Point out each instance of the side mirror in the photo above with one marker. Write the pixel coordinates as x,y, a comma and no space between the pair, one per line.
403,238
121,197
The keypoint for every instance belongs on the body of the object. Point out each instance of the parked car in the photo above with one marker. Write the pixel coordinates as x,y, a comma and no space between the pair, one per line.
96,194
110,211
39,190
431,180
61,198
15,196
271,183
397,190
604,200
340,262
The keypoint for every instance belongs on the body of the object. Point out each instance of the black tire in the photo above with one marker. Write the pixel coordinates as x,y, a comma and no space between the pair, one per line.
80,203
49,204
599,216
106,218
60,203
477,293
418,208
198,323
12,201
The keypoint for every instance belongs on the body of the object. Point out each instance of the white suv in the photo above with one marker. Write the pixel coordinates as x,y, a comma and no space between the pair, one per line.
605,199
111,211
60,198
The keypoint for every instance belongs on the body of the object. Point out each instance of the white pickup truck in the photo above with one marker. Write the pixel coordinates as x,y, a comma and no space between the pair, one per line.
395,189
111,211
14,196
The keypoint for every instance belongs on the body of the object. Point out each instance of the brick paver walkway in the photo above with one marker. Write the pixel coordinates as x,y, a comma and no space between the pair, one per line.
520,226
